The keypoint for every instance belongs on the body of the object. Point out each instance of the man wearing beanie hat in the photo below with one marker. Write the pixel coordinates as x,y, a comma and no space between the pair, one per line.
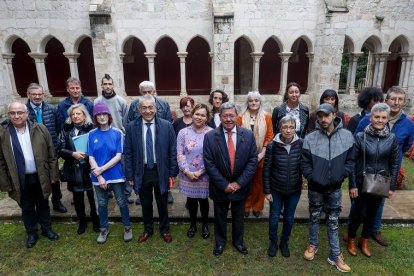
327,159
116,104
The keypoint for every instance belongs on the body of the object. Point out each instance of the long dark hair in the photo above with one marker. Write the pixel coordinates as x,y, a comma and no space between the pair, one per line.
330,93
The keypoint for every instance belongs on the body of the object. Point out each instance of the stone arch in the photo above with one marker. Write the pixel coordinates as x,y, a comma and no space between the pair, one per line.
167,67
346,78
394,67
9,43
349,45
57,66
24,68
270,67
201,37
243,65
373,44
198,67
299,63
78,41
402,40
308,42
86,65
45,41
135,64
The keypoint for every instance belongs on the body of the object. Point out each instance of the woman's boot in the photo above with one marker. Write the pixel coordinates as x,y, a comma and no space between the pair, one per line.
352,249
363,244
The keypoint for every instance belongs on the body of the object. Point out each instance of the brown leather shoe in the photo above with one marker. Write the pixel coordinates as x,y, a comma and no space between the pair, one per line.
352,249
144,236
166,237
363,244
376,236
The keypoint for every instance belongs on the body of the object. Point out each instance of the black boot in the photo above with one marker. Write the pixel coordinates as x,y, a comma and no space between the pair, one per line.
95,222
82,226
271,252
284,249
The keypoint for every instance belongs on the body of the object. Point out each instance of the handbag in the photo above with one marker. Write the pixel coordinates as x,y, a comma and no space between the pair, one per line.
374,184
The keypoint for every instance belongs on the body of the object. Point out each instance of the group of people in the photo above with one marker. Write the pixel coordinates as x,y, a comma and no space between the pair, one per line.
237,159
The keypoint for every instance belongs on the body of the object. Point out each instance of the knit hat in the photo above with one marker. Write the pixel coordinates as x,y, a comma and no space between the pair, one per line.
100,108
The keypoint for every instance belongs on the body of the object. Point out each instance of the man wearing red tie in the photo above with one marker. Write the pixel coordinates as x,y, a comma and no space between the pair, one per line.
230,159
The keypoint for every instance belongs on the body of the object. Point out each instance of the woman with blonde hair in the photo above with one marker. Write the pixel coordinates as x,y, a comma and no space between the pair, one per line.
254,117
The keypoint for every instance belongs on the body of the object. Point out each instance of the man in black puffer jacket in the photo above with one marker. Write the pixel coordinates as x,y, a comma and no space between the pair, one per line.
46,114
327,159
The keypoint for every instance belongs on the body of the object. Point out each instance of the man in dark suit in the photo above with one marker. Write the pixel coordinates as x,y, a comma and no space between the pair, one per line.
28,167
150,160
230,159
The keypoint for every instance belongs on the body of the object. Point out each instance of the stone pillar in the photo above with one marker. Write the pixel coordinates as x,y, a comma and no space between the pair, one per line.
353,58
223,43
284,71
8,58
310,57
256,65
182,56
407,71
404,57
369,76
73,65
121,79
151,66
211,54
381,58
41,70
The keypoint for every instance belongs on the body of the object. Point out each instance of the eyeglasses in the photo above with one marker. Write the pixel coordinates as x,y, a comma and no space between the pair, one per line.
288,127
36,95
150,108
396,100
16,113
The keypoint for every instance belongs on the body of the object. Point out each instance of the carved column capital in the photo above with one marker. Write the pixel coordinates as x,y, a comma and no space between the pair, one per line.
8,57
38,57
285,56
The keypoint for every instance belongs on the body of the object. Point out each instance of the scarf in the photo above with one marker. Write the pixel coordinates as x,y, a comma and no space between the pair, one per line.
259,129
377,132
110,96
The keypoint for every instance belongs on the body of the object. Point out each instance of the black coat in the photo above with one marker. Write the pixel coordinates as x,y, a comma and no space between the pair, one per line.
282,170
280,112
381,154
76,173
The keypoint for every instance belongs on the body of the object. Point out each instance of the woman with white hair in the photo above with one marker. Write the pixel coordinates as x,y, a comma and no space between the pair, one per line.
254,117
76,167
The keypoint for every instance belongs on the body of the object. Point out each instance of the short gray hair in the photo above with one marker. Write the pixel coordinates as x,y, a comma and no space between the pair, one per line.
34,85
254,94
24,106
285,119
227,105
82,107
395,89
146,84
147,97
73,80
378,107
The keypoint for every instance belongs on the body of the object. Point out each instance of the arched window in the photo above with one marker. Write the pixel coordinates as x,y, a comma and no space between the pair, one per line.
24,68
198,67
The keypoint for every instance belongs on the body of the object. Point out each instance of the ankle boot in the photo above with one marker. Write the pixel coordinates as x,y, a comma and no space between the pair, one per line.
95,223
363,244
352,249
82,226
272,250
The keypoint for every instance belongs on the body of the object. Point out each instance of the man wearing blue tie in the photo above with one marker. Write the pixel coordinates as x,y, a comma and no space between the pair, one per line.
46,114
150,160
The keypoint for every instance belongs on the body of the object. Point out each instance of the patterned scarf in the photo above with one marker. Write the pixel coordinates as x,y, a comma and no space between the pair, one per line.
259,129
377,132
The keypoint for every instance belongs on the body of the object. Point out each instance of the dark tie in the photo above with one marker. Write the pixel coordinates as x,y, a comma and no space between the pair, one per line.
232,152
38,115
149,147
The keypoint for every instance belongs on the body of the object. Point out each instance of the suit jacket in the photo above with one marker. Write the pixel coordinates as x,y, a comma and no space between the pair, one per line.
165,152
217,163
163,111
45,159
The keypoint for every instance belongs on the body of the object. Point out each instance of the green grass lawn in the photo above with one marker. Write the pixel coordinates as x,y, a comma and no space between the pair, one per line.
81,255
409,170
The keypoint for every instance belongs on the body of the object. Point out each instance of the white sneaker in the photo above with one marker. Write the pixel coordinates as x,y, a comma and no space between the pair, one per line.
128,234
102,236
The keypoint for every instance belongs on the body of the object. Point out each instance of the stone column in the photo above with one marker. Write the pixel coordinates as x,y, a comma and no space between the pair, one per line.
382,57
404,57
121,79
211,54
407,71
310,57
9,68
73,65
284,71
151,66
182,56
256,65
353,58
41,70
369,76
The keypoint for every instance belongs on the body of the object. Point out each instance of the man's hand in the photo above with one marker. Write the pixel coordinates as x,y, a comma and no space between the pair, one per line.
78,155
269,197
353,193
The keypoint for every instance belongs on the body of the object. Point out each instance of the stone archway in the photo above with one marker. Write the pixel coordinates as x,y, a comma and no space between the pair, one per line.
135,65
24,68
299,64
86,67
57,68
198,67
270,65
243,66
167,68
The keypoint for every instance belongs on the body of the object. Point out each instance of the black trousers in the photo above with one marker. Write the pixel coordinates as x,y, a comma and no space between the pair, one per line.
220,221
35,208
79,203
193,209
56,193
150,183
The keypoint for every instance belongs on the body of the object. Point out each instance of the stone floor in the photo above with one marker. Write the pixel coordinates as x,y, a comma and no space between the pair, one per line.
398,210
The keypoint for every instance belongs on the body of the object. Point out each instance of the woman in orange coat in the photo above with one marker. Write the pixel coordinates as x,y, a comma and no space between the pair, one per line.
254,117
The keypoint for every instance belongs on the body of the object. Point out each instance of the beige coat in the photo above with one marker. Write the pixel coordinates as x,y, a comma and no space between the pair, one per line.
45,159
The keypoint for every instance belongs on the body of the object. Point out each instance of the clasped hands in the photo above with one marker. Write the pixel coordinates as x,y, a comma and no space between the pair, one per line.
232,187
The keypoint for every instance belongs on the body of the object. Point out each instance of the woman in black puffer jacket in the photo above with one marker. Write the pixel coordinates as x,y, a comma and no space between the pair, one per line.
282,182
76,168
381,156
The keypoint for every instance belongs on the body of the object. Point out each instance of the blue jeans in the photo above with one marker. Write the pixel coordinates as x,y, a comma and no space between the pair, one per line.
376,226
120,197
289,203
329,201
